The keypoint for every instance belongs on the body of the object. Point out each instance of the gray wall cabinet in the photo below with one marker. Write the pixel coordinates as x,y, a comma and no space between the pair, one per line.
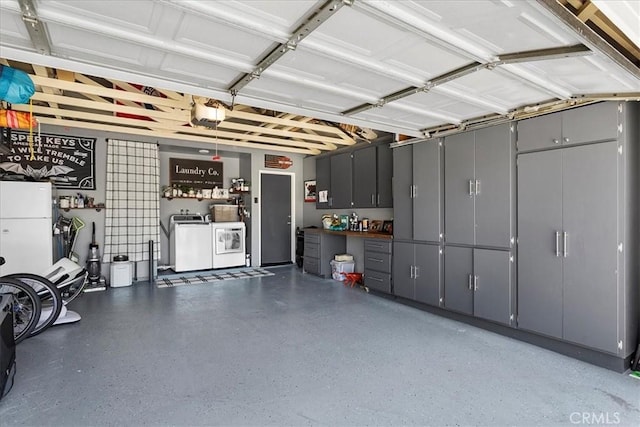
417,272
323,180
478,282
417,192
384,176
577,228
591,123
341,181
365,193
372,175
478,192
359,178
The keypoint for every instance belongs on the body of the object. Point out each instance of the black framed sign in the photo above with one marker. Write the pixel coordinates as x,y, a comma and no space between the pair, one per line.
67,161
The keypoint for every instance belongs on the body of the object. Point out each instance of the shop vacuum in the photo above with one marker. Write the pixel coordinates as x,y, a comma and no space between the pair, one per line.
97,282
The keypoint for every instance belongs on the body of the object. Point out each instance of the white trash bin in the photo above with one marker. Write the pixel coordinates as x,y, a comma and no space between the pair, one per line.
121,274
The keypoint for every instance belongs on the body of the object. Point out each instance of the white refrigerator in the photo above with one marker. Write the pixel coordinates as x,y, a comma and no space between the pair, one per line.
26,228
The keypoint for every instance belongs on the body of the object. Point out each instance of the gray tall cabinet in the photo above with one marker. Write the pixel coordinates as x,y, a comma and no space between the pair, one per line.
578,226
417,214
479,223
534,225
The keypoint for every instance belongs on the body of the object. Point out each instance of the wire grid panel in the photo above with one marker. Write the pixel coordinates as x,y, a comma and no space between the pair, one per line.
132,199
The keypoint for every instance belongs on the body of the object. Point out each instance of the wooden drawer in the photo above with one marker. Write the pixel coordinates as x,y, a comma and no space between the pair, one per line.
377,245
311,249
377,261
378,281
311,265
311,237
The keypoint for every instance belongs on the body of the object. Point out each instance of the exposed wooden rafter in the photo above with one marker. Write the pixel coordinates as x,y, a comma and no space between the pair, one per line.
82,101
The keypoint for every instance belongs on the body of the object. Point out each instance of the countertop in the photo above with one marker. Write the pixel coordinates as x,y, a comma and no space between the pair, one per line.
363,234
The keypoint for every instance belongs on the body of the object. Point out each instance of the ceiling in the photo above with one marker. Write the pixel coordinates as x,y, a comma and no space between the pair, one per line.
308,76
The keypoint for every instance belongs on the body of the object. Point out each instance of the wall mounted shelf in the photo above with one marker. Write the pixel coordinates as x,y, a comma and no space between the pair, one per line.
98,209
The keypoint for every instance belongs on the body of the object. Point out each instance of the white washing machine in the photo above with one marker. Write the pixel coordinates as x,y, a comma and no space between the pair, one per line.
228,244
191,244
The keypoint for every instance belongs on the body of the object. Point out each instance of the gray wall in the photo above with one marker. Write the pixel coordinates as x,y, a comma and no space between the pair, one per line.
169,207
233,158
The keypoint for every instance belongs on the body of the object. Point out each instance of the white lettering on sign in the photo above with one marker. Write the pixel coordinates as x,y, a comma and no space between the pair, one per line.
196,171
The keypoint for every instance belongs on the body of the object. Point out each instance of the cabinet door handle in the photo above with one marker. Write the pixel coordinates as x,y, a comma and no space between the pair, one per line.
470,187
373,199
415,191
416,271
330,201
378,199
557,243
477,187
411,271
470,283
555,140
475,283
411,191
565,139
565,238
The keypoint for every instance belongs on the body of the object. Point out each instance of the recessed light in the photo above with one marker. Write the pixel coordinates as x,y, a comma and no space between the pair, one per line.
203,151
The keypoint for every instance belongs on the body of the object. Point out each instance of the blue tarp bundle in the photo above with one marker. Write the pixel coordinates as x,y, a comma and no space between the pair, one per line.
16,87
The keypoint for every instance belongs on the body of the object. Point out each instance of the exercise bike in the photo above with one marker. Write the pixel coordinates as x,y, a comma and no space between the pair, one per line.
55,287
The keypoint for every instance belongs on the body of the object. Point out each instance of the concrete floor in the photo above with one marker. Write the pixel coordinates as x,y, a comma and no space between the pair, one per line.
293,349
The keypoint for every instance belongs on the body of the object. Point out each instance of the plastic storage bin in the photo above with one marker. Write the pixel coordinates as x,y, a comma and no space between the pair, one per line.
121,274
339,268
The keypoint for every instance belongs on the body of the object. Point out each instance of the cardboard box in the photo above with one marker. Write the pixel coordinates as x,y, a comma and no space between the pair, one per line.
224,213
343,257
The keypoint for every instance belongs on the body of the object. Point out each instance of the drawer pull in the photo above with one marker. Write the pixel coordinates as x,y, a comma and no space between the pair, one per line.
375,278
375,259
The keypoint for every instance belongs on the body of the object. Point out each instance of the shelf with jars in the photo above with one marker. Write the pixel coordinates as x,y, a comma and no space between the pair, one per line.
190,193
66,203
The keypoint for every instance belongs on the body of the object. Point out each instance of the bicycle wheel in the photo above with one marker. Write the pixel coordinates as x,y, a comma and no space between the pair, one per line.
50,297
26,307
